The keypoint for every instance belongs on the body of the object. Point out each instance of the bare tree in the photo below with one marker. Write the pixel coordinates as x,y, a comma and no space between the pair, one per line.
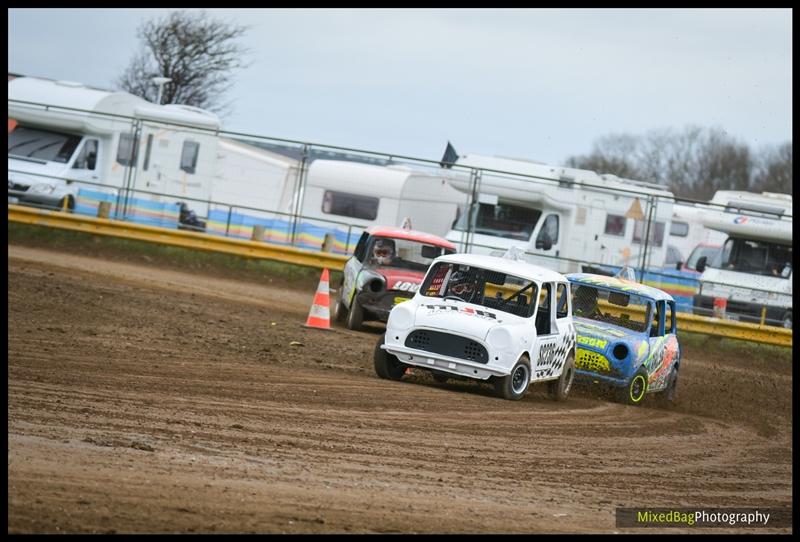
694,162
774,170
197,52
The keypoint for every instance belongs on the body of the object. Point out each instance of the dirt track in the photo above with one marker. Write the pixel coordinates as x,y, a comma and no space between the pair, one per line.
144,400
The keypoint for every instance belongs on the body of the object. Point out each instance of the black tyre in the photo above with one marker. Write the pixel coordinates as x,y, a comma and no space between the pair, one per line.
386,365
634,392
667,395
355,316
441,378
514,386
559,389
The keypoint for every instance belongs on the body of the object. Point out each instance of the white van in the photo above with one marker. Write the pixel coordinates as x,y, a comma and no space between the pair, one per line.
566,213
754,276
65,135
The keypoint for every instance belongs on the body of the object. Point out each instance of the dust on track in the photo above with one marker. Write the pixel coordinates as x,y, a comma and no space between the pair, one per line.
151,400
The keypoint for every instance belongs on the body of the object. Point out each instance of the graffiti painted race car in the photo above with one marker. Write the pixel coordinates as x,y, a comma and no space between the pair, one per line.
626,336
386,268
484,318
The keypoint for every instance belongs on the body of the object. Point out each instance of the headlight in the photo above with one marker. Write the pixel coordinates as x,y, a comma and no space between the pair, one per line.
374,282
620,351
499,338
401,317
43,188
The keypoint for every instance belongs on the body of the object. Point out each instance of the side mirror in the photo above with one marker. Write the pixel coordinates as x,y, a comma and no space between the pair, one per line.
91,160
678,266
544,242
701,264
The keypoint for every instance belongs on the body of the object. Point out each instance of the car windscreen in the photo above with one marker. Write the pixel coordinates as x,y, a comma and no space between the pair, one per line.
483,287
622,309
28,142
402,253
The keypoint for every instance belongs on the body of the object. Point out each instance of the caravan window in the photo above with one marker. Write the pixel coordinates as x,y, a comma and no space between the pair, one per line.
126,151
189,156
351,205
502,220
656,237
615,225
679,229
42,144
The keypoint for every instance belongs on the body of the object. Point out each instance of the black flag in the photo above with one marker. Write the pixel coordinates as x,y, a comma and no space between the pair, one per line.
449,157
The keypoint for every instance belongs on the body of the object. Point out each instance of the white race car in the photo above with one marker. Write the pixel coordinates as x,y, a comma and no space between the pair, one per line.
484,317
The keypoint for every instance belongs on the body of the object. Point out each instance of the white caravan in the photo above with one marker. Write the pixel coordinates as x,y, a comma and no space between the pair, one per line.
363,195
64,135
572,215
755,269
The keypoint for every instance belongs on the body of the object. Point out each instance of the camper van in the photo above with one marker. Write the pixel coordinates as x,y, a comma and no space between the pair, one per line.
753,275
66,138
560,218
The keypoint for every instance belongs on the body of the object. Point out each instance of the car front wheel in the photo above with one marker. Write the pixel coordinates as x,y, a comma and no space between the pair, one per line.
514,385
633,393
355,316
386,365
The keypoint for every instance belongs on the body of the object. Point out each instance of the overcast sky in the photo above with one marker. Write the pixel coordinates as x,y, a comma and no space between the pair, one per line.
541,84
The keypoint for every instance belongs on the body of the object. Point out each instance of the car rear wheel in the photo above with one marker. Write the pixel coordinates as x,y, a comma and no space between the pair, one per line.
559,389
667,396
633,393
514,385
386,365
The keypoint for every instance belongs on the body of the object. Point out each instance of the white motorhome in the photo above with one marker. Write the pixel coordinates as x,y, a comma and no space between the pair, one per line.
754,277
570,214
65,137
686,233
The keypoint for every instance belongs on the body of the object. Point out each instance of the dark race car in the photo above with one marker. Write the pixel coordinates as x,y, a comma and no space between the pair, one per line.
386,268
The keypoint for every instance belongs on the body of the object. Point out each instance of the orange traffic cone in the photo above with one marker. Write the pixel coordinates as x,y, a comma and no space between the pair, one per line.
319,316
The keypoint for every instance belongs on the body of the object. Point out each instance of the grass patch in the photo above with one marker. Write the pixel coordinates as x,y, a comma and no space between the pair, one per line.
179,258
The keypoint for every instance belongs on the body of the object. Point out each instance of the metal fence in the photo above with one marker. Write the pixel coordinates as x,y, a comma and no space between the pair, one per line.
234,184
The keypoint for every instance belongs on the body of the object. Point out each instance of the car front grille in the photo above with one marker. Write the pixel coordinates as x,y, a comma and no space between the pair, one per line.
447,344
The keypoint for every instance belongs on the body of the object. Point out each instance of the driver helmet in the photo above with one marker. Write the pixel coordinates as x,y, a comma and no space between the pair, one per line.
383,251
462,284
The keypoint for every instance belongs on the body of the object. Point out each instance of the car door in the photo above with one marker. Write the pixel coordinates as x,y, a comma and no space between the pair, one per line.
663,345
545,358
351,269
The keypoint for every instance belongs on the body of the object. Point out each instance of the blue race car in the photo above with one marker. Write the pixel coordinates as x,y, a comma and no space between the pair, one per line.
626,336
